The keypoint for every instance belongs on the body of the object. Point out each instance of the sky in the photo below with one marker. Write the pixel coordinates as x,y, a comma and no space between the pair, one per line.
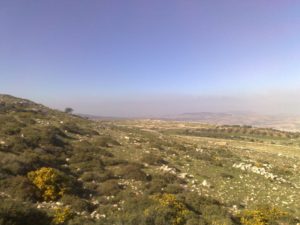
150,58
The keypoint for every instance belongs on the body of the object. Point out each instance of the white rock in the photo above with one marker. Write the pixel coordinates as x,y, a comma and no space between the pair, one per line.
182,175
165,168
205,183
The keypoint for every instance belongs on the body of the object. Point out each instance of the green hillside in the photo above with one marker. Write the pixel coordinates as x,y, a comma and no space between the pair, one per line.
58,168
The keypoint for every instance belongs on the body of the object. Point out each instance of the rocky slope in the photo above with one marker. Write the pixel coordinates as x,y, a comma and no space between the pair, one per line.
57,168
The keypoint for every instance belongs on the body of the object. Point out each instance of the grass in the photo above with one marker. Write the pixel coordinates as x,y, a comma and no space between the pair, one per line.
118,166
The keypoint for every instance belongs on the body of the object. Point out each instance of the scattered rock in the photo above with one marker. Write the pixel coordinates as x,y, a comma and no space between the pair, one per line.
205,183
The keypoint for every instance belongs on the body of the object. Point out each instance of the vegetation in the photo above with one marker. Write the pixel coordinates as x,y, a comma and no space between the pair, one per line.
52,183
168,203
62,215
59,168
18,213
69,110
263,215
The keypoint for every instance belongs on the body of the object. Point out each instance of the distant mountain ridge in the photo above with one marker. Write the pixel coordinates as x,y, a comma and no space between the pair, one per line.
280,121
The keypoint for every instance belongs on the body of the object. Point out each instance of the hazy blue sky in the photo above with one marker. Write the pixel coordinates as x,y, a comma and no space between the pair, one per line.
141,57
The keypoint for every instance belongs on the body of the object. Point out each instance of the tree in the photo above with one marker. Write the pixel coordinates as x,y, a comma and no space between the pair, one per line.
69,110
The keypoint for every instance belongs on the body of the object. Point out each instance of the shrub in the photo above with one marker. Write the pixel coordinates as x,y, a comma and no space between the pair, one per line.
86,147
106,141
62,215
18,164
96,176
160,181
94,166
132,171
109,187
13,166
28,118
72,127
216,215
78,220
196,221
76,203
114,161
31,137
154,210
17,144
53,136
18,213
211,210
168,211
152,159
9,125
52,183
174,189
262,215
156,186
11,129
20,188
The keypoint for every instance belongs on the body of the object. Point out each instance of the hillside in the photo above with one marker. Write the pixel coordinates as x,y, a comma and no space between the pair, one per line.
57,168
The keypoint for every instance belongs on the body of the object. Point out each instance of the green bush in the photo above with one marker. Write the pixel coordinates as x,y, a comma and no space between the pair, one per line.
109,187
153,159
10,125
132,171
18,213
26,161
265,215
53,136
165,209
86,147
196,221
20,188
106,141
77,204
96,176
173,189
31,137
211,211
160,181
12,165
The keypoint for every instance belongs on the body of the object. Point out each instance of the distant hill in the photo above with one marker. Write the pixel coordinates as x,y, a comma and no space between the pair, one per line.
281,122
94,117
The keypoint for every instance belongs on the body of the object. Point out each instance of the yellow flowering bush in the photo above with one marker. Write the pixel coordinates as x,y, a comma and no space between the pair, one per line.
61,215
51,182
176,210
261,216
